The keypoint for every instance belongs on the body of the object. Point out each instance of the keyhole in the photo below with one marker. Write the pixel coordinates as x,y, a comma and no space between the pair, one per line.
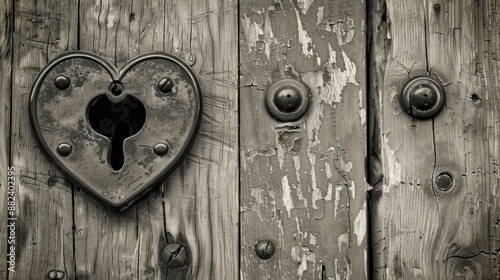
117,121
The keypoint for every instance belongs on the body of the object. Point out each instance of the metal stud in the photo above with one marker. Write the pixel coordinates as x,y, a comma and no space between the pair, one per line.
264,249
64,149
62,82
55,274
422,97
160,149
165,85
174,255
287,99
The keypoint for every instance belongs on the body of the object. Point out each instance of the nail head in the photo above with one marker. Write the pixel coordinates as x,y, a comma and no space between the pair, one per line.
62,82
264,249
160,149
55,274
174,255
64,149
165,85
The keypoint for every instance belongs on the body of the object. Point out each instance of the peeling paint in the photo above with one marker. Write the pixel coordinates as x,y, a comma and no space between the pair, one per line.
344,30
302,255
360,224
328,170
319,14
329,194
287,195
304,39
331,81
268,35
296,162
252,31
304,5
338,188
313,240
352,189
393,166
362,110
316,192
343,239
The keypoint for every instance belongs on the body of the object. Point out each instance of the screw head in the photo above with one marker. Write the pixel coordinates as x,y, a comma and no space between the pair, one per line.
116,88
165,85
287,99
55,274
64,149
160,149
422,97
444,181
174,255
264,249
62,82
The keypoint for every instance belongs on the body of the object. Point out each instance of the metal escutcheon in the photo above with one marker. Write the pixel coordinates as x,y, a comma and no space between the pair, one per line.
287,99
422,97
116,133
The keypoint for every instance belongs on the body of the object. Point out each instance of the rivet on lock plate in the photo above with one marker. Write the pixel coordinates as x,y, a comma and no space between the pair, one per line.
116,133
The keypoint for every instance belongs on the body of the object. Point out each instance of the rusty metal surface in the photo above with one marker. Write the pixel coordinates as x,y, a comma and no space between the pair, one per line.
60,115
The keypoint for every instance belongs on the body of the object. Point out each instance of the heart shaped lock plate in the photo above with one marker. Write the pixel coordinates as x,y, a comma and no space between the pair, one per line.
116,133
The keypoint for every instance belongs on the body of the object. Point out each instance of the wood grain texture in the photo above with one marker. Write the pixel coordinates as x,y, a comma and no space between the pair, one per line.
42,30
60,227
420,231
302,182
197,205
6,20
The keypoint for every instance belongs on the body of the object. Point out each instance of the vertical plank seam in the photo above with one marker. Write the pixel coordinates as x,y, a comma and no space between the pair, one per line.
238,141
73,190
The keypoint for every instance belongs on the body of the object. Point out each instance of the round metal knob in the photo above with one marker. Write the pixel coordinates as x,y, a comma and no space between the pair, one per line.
264,249
62,82
423,97
174,255
287,99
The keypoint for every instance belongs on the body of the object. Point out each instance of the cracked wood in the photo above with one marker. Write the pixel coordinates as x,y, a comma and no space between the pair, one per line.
419,231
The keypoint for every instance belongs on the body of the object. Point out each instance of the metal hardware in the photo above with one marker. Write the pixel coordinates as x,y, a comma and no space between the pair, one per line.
444,181
422,97
165,85
174,255
287,99
264,249
55,274
64,149
160,149
62,82
115,133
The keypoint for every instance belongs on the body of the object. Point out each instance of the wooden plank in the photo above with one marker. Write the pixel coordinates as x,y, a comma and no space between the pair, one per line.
43,29
302,182
198,204
6,20
420,231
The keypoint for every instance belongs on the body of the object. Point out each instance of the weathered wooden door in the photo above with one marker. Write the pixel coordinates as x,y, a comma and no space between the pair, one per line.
298,191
